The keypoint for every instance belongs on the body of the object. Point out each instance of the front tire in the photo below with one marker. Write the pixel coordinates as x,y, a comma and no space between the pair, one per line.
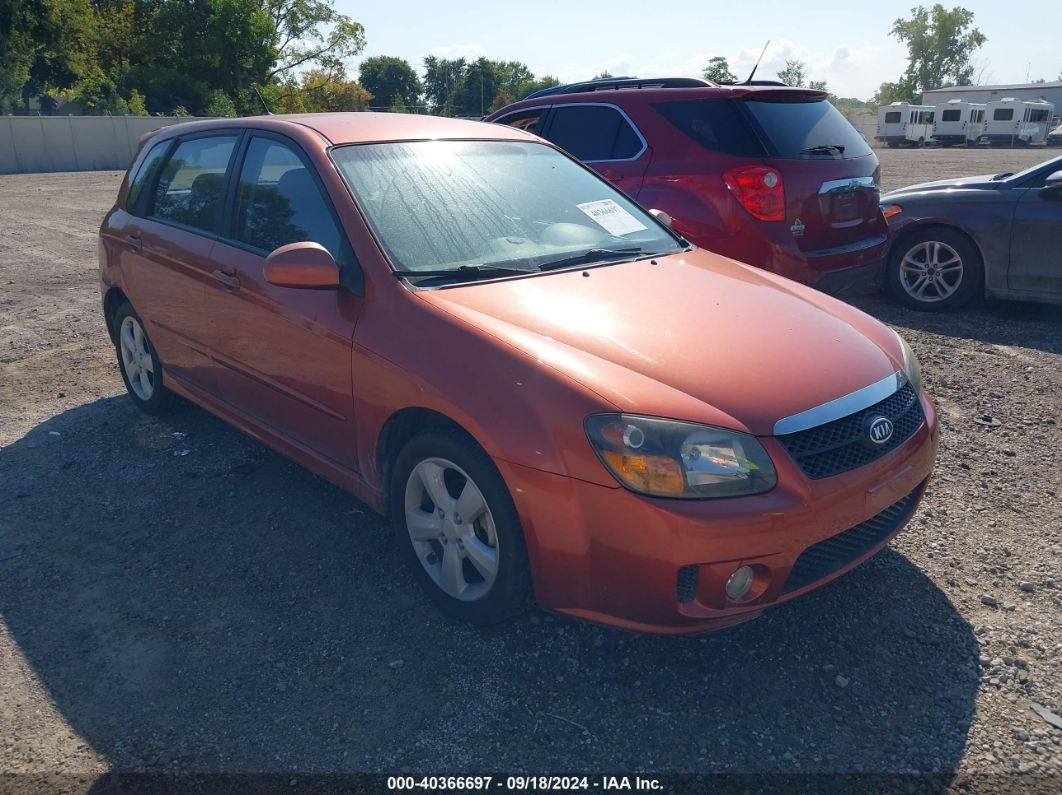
139,363
456,526
935,269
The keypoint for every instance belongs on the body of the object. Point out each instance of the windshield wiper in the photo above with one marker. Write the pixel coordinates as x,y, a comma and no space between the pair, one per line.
593,255
462,272
1004,175
823,149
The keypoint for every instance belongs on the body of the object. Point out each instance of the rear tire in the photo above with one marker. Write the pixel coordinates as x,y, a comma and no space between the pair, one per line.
935,269
474,567
139,363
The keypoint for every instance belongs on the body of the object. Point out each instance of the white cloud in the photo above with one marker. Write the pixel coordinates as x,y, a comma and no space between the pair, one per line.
469,52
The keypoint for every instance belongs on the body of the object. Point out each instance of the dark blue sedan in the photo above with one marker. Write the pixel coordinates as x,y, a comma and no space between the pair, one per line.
958,239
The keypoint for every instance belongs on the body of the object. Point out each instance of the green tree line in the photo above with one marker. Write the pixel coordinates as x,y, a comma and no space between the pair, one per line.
217,57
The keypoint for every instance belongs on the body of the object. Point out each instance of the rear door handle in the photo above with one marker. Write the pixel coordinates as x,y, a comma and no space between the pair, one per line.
136,240
229,279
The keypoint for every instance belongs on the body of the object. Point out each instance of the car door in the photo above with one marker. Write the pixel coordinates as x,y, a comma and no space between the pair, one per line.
603,137
167,267
1036,240
286,352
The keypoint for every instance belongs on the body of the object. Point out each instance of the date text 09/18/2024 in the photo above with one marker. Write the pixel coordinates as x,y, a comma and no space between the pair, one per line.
523,783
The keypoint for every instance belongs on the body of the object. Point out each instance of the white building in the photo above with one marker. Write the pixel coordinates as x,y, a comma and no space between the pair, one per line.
1052,92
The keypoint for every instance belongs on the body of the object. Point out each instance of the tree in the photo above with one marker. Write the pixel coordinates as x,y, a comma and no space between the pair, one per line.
718,70
384,76
219,104
137,104
442,76
477,91
819,85
322,91
602,75
311,32
887,93
940,45
794,74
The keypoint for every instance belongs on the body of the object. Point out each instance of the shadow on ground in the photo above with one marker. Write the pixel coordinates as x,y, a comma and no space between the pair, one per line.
225,610
992,322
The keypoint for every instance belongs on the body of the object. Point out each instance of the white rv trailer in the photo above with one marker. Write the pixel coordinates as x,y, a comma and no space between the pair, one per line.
904,124
1014,122
958,122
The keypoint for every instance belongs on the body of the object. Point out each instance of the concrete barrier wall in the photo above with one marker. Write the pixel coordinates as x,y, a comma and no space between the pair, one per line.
72,143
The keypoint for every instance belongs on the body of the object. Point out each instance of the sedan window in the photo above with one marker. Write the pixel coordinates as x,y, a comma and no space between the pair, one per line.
444,204
192,185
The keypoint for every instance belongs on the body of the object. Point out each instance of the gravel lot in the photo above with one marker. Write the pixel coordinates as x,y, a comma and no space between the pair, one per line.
226,610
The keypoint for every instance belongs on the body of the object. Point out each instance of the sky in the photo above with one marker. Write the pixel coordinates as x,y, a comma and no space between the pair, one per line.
844,42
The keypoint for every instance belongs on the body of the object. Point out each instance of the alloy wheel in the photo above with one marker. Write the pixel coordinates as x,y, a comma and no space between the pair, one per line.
136,358
931,271
452,529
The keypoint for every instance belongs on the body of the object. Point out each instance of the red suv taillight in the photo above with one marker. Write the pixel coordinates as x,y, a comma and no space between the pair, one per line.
759,189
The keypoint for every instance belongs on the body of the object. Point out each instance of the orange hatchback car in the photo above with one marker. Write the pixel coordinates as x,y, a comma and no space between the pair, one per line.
551,393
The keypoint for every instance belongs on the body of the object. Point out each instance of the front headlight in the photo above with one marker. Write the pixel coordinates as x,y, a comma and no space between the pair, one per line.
668,458
911,368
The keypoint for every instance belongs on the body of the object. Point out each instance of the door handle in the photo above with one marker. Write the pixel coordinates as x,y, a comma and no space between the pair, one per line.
136,240
227,277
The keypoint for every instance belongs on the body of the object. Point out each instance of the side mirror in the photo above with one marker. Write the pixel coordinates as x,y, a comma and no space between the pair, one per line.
306,265
1052,188
663,218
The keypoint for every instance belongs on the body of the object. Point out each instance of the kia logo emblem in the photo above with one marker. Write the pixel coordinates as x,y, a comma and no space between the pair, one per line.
879,430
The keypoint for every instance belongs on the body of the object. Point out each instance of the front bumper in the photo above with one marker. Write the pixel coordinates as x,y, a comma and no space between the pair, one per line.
612,556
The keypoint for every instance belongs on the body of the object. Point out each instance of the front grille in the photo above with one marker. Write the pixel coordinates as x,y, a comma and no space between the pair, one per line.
686,585
824,558
840,445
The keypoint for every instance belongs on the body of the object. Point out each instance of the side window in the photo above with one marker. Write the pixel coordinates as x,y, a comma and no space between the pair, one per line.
593,132
134,202
192,184
524,120
278,201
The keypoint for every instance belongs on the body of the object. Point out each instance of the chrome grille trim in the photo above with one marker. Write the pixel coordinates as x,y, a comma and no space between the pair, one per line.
842,406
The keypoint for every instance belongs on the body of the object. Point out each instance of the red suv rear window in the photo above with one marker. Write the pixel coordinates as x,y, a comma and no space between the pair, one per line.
717,124
755,128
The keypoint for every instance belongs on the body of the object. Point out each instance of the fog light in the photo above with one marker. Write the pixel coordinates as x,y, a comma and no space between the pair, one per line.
737,587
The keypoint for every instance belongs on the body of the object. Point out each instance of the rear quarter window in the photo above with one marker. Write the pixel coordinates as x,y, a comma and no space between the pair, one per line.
892,117
145,176
593,133
794,129
716,124
950,115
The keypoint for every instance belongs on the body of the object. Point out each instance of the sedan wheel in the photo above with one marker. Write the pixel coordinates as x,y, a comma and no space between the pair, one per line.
934,269
452,529
931,271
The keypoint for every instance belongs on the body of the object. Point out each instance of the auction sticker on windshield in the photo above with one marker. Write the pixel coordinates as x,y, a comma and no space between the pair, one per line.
614,219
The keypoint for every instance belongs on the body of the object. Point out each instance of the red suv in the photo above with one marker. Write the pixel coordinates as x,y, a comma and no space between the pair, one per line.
766,174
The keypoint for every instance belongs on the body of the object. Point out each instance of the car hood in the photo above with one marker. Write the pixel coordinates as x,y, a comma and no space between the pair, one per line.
692,336
966,183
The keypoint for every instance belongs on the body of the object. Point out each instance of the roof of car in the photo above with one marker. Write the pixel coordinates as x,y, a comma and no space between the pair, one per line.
365,126
654,94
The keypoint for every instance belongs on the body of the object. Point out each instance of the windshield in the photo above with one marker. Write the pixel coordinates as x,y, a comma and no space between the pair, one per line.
441,205
808,129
